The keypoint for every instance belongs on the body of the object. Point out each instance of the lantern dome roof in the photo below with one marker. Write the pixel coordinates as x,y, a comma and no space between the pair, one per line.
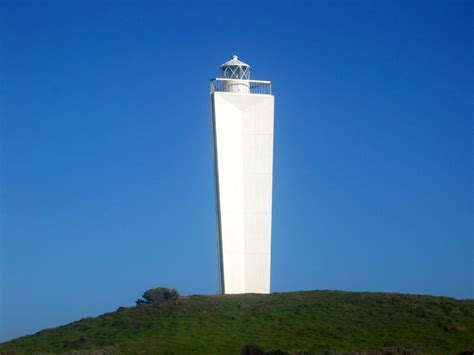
235,61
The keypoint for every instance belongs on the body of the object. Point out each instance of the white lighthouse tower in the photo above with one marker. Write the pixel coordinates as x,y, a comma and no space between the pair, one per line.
242,121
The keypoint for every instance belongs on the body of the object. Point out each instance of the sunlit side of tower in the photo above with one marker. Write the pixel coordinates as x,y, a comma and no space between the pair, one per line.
242,121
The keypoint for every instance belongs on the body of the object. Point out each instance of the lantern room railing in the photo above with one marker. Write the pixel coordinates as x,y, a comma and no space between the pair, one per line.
254,86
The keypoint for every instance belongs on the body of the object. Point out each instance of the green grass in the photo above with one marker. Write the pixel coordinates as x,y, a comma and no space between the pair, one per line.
311,321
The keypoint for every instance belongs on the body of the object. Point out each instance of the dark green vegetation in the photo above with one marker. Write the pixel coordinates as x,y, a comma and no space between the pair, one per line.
157,295
311,321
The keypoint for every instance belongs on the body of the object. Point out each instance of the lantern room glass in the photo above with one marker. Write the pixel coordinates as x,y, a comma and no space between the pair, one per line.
235,69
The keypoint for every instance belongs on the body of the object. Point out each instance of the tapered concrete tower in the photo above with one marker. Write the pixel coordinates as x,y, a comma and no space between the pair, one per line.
242,121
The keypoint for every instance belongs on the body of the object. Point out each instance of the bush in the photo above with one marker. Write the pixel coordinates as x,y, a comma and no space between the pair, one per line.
252,350
159,294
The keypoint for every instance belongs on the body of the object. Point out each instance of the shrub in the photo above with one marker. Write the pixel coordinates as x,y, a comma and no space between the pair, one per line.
252,350
159,294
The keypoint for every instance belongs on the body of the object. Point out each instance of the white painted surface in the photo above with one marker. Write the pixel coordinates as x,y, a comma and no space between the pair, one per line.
243,131
237,86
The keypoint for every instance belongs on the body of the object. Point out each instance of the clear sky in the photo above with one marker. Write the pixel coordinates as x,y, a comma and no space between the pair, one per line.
106,168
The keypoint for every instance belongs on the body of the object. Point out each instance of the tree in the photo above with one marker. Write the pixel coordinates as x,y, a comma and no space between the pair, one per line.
157,295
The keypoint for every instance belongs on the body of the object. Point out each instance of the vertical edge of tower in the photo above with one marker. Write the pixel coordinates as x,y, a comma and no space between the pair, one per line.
217,197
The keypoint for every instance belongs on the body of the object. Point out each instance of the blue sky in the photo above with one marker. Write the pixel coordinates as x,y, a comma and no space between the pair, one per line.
106,165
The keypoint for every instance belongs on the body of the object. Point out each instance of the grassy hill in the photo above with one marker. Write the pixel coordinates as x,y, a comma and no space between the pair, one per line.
312,321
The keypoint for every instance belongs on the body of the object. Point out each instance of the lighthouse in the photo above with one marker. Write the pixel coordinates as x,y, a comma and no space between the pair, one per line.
242,125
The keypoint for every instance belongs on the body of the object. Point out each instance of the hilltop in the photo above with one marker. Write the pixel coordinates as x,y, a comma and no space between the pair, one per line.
310,321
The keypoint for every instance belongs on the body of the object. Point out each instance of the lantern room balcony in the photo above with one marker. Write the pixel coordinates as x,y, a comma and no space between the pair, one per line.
259,87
